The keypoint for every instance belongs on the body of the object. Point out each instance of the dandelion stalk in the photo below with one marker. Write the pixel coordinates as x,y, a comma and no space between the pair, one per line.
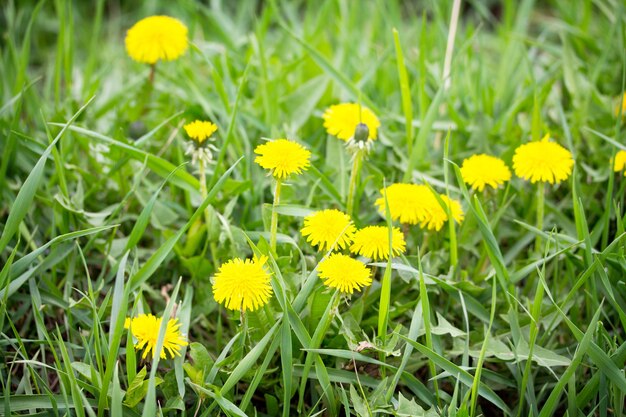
540,211
354,178
274,221
152,72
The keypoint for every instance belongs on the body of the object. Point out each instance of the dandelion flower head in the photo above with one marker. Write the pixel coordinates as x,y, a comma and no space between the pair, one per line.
543,161
620,161
200,130
416,204
344,273
282,157
481,170
242,284
145,328
341,120
328,229
406,202
157,38
438,215
373,242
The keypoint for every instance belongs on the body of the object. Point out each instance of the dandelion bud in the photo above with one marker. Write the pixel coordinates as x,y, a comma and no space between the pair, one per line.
361,133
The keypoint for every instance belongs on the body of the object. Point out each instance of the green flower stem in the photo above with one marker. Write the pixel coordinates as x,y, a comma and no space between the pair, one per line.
274,222
540,210
152,72
208,214
354,178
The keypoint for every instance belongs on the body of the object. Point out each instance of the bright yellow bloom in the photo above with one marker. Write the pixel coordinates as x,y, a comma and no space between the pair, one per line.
328,229
416,204
157,38
620,161
283,157
373,242
145,328
200,130
341,120
438,216
406,202
481,170
543,161
242,284
344,273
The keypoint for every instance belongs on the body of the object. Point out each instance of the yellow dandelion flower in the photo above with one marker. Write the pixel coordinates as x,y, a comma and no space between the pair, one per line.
416,204
406,202
481,170
157,38
438,216
283,157
373,242
242,284
328,229
341,120
344,273
543,161
620,161
145,328
200,130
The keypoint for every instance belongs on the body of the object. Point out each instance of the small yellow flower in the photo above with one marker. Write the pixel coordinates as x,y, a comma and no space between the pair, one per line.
344,273
157,38
620,161
341,120
283,157
242,284
328,229
200,130
416,204
373,242
543,161
438,216
406,202
481,170
145,328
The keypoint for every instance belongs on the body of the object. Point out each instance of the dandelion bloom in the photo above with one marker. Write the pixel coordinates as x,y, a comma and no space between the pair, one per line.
481,170
543,161
145,328
344,273
416,204
200,130
406,202
242,284
328,229
157,38
438,216
620,161
283,157
341,120
373,242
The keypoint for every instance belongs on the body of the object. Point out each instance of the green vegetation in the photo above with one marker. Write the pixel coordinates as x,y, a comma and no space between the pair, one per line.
103,217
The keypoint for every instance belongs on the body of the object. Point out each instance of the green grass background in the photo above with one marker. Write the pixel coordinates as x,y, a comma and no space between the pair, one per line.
97,224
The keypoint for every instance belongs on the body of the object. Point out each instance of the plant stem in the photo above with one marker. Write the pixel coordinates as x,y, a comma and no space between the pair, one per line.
354,178
274,222
540,209
152,72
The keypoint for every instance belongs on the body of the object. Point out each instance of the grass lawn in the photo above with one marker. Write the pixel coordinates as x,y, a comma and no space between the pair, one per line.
440,231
